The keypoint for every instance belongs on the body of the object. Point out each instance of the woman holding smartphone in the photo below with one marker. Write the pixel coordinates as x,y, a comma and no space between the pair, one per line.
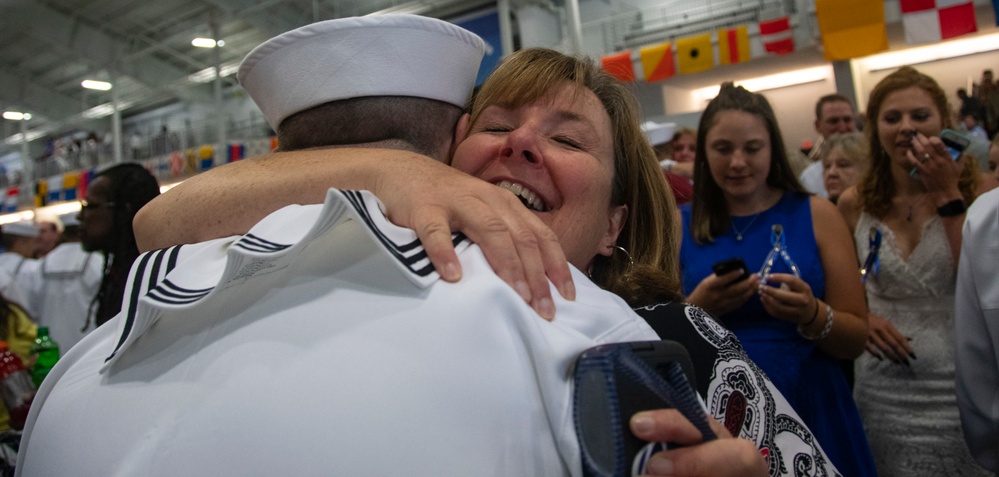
912,200
805,310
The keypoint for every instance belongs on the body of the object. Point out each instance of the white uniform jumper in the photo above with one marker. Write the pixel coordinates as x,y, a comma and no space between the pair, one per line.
321,343
62,288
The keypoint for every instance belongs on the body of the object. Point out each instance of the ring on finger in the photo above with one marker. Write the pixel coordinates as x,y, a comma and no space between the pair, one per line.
926,157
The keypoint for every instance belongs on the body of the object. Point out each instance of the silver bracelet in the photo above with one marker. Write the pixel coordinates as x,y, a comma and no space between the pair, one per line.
825,328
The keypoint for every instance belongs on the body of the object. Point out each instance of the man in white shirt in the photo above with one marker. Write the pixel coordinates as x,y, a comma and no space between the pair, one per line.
322,342
63,286
834,114
50,229
976,323
18,240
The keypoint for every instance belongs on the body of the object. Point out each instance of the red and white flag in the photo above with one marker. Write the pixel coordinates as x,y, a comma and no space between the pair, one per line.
776,36
929,21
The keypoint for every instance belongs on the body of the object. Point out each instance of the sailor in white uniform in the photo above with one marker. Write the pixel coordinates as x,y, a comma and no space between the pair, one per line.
19,242
323,337
323,342
62,288
976,325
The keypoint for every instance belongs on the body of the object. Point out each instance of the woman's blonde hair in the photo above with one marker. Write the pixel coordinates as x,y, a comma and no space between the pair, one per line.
853,144
877,187
651,273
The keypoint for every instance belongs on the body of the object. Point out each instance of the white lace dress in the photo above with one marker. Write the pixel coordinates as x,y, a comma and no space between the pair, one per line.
910,412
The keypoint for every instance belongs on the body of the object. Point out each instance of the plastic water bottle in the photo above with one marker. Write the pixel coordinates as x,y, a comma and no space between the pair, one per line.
45,351
15,387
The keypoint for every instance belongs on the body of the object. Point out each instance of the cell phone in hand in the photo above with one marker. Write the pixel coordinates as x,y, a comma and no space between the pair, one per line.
615,381
956,142
727,266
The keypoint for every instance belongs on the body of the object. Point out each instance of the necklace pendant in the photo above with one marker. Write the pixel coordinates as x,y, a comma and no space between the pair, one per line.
738,237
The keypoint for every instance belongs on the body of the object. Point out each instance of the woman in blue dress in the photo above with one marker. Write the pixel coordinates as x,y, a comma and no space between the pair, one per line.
804,309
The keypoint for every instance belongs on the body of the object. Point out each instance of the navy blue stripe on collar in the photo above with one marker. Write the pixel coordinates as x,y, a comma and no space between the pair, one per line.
142,281
169,292
398,251
254,243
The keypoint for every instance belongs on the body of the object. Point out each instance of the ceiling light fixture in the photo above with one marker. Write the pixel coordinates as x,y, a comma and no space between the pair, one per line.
208,74
207,43
779,80
925,54
105,109
97,85
16,116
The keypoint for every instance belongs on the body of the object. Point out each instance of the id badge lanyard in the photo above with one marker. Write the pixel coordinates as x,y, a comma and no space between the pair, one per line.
873,260
778,251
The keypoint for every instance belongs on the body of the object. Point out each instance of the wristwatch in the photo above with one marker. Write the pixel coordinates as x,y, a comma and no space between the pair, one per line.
951,209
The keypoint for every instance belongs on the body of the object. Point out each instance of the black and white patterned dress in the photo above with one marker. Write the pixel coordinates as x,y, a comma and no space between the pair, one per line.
737,393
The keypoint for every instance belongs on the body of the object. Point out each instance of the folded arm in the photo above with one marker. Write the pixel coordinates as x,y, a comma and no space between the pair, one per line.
418,192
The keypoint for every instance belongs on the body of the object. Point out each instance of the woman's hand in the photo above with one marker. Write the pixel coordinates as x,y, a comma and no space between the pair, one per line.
418,192
938,171
722,294
885,341
433,199
794,302
725,456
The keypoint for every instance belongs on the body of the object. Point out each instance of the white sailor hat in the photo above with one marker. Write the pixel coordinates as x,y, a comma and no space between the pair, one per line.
658,133
380,55
49,217
69,220
23,228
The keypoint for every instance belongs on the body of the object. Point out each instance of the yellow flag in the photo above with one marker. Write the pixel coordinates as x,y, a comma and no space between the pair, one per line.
851,28
657,62
693,54
733,45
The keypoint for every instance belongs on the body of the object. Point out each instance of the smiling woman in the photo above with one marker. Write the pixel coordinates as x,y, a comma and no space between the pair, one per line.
569,144
914,195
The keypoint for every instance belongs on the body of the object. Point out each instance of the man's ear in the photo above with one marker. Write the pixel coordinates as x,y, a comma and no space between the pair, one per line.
615,223
460,131
816,124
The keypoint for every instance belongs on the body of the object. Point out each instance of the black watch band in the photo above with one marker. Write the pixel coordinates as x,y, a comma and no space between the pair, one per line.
953,208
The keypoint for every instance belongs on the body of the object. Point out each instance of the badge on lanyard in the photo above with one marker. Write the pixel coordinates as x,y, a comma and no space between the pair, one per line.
778,250
873,260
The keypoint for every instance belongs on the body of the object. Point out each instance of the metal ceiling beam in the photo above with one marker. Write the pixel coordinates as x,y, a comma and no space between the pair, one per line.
87,42
273,17
33,97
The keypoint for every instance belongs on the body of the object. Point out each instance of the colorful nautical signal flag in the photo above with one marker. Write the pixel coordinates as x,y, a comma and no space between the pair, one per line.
619,65
694,54
929,21
851,28
733,45
657,62
777,37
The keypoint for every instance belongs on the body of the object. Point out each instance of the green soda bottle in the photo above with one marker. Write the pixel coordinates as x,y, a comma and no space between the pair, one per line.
46,353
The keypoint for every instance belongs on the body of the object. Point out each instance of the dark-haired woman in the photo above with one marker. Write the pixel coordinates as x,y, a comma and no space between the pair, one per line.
805,309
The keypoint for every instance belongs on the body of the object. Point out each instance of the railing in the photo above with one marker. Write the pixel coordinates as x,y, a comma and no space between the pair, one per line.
158,153
680,18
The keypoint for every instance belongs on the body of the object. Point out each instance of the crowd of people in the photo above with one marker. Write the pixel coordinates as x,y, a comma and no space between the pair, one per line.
817,305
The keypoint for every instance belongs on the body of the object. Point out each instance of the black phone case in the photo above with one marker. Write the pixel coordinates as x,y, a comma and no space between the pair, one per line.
955,142
615,381
726,266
